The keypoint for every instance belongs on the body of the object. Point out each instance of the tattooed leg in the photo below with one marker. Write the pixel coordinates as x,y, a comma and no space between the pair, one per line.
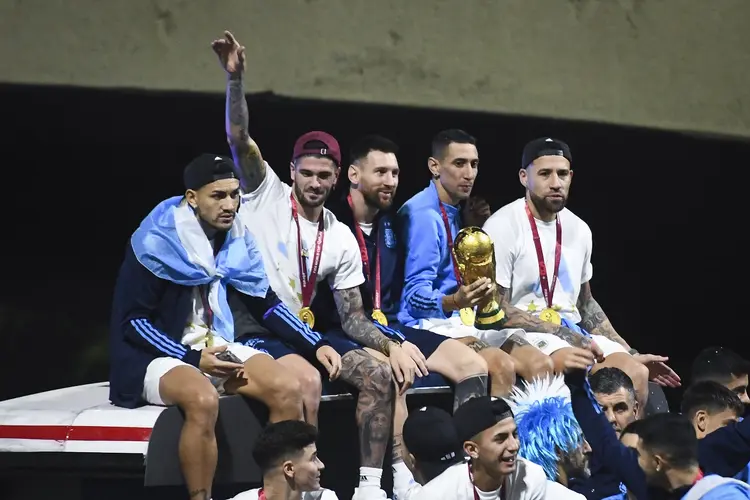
374,413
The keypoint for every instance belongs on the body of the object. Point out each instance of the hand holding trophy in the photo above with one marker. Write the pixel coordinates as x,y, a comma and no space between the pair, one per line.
474,253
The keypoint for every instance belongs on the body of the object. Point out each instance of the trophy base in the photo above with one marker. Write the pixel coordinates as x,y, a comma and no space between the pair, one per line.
493,319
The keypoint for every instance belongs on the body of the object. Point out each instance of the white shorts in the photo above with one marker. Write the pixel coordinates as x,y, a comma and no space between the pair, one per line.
549,343
454,328
160,366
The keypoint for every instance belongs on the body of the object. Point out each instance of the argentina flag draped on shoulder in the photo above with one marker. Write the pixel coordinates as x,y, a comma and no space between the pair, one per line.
171,243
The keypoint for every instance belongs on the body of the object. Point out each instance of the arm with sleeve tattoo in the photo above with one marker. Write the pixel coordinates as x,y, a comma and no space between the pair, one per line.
355,322
521,319
593,319
245,151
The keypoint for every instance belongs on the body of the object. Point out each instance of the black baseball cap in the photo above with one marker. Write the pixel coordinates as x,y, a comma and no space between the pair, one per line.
544,146
429,435
207,168
479,414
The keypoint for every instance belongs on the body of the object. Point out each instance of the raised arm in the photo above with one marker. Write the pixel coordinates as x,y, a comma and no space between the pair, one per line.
244,150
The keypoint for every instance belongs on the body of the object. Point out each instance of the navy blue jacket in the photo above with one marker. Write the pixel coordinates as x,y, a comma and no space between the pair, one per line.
724,452
391,271
149,315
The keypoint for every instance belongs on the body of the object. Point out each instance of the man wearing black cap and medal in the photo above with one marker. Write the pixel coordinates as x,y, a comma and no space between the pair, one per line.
543,268
476,459
173,340
303,245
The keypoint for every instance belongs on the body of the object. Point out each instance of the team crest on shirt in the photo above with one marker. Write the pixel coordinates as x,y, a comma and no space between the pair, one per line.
389,236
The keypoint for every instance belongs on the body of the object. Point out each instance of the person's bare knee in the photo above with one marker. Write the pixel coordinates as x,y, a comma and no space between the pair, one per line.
267,380
311,385
502,370
189,389
456,361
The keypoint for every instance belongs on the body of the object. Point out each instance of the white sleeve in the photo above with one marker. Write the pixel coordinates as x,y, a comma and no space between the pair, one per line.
536,482
404,485
270,190
504,239
349,270
588,269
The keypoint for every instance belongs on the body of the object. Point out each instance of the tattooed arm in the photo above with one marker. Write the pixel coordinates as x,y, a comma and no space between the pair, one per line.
593,319
355,322
521,319
244,150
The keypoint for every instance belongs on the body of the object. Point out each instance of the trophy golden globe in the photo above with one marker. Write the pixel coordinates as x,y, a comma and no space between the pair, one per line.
474,252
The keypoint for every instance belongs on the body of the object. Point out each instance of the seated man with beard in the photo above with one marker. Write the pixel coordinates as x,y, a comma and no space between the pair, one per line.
550,435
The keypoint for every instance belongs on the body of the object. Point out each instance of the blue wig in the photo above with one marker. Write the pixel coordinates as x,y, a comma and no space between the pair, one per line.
545,421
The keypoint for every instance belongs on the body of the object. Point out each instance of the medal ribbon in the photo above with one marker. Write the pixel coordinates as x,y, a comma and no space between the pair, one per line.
308,285
366,259
450,242
546,290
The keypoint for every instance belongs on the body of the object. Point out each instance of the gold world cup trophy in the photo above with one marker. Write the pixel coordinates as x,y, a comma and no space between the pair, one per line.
474,252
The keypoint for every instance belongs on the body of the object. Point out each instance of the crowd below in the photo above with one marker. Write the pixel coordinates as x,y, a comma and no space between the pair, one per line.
245,284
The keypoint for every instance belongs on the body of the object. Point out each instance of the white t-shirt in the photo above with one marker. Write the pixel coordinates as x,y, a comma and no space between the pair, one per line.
307,495
267,213
557,491
517,266
527,482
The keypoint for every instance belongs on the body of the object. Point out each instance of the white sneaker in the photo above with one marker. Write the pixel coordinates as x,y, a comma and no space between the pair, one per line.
369,494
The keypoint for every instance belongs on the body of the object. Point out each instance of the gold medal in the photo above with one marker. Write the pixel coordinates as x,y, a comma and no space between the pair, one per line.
467,316
378,316
551,316
306,315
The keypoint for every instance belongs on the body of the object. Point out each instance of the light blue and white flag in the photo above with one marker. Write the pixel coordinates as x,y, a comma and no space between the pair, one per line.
171,243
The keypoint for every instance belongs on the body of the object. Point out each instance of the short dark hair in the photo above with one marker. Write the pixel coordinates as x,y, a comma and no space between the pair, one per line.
712,397
633,427
718,364
282,440
609,380
364,145
671,435
445,138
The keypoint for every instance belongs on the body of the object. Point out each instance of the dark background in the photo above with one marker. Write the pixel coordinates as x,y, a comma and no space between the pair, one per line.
81,168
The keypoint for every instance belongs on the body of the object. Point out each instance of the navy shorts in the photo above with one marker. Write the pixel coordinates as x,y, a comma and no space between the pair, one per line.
425,340
274,346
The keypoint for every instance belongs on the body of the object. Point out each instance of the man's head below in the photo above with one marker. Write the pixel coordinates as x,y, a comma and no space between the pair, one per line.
546,173
725,367
432,441
374,170
212,190
315,167
710,406
629,435
286,451
454,163
489,435
615,393
667,449
549,432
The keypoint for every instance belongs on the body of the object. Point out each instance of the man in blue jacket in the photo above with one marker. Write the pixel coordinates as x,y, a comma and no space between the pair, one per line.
434,297
365,209
172,331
